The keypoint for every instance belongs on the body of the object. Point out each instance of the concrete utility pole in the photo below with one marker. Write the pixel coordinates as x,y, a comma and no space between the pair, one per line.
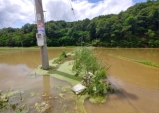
41,29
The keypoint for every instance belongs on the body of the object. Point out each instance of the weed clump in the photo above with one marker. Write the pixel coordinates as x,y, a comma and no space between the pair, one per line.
60,58
94,77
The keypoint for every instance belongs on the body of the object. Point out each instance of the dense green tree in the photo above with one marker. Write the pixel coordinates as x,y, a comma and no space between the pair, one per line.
138,26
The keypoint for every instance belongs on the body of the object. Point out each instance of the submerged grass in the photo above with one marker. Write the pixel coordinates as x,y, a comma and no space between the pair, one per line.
98,99
138,61
147,63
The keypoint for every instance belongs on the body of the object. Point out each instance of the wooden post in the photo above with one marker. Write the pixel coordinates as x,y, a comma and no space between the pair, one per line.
41,29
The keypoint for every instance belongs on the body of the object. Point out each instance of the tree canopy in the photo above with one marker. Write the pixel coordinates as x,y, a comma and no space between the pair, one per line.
138,26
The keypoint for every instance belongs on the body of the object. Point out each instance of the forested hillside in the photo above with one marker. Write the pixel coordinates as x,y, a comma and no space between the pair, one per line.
138,26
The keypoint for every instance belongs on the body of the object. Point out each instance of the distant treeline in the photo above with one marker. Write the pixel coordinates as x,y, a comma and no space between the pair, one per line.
138,26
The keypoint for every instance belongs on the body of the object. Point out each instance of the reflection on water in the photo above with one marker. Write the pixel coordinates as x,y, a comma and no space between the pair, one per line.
12,76
46,97
46,85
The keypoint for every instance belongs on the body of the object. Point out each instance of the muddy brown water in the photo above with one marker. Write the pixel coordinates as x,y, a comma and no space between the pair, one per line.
136,85
30,57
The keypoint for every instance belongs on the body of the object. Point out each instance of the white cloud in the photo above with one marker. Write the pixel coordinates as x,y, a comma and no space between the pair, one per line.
13,12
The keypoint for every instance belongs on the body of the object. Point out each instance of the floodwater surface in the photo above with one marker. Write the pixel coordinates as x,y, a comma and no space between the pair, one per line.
30,57
136,85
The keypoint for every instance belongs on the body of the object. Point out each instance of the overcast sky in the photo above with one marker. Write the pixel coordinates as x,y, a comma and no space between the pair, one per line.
16,13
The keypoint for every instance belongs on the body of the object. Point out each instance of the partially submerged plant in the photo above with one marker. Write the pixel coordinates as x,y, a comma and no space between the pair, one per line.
99,86
5,102
42,107
22,109
95,82
4,99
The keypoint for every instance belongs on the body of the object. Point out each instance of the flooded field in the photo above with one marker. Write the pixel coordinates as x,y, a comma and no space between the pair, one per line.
15,68
136,85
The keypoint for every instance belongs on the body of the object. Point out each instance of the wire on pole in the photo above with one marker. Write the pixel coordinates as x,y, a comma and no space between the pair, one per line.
72,9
